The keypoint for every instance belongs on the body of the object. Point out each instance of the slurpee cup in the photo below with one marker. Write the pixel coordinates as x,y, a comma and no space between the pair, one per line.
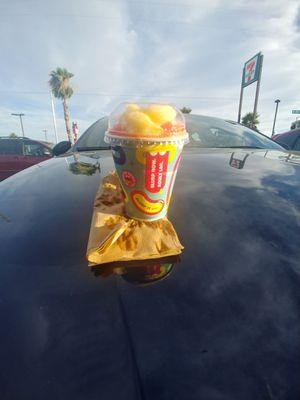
147,142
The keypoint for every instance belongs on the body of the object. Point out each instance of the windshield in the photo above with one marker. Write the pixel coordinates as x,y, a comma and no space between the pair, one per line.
204,132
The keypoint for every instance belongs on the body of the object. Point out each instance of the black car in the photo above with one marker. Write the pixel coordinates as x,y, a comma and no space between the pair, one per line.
224,323
290,140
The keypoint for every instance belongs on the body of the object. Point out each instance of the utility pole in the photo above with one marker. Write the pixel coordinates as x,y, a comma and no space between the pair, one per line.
20,115
275,116
45,131
53,116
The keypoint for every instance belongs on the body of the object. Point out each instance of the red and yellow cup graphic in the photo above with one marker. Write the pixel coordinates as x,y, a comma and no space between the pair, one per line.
147,167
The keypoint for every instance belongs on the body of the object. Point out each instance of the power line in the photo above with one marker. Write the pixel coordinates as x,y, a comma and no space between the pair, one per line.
142,3
129,20
19,92
136,95
59,16
101,94
152,95
159,21
174,23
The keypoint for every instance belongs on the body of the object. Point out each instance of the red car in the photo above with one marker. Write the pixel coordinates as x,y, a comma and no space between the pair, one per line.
17,154
290,140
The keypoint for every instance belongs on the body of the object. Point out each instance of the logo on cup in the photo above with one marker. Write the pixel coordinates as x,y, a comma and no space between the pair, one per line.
146,205
118,155
129,179
156,170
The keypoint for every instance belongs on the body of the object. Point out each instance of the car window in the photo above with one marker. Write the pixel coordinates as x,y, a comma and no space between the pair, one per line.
94,135
10,147
209,132
205,132
35,149
297,144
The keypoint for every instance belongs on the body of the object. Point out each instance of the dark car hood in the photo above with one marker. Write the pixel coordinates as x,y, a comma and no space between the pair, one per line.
224,324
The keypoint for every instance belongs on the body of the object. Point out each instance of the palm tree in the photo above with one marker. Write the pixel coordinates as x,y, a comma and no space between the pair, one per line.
250,120
61,89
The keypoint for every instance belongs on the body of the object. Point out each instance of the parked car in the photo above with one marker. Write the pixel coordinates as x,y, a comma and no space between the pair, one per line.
224,322
17,154
290,139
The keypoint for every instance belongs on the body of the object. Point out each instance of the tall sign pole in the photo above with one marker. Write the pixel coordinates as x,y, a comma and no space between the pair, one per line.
241,98
251,73
53,116
257,89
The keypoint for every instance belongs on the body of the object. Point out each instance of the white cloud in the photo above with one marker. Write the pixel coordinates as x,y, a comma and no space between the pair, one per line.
190,53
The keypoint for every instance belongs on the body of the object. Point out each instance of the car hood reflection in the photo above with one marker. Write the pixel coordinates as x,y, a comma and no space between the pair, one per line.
83,165
140,272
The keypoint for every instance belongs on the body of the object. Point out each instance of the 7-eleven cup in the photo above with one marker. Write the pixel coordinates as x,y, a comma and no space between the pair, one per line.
147,174
147,170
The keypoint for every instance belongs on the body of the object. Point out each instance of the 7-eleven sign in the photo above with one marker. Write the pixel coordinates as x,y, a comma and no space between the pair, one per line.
251,70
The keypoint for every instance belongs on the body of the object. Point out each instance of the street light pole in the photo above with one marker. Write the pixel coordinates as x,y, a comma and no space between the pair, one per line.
53,116
45,131
20,115
276,109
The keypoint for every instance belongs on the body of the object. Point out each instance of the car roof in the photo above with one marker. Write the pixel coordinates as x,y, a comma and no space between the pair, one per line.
290,132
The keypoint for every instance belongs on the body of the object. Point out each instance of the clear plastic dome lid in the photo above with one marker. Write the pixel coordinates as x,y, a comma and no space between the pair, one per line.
147,121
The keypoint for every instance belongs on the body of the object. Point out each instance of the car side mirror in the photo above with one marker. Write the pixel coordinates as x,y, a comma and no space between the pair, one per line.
61,148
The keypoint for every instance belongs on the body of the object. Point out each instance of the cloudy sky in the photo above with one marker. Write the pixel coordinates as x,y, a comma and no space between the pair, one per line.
187,52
